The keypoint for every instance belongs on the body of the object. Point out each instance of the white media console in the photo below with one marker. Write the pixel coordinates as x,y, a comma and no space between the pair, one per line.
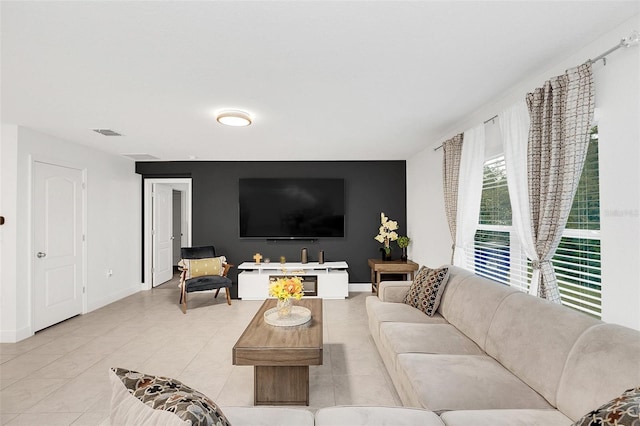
332,278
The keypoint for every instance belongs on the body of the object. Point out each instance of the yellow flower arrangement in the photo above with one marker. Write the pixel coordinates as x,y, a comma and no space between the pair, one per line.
285,288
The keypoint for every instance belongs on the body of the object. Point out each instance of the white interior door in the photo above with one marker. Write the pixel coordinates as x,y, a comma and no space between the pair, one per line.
57,244
162,230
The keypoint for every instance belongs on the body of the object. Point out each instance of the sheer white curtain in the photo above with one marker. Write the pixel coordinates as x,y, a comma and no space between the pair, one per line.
469,194
514,126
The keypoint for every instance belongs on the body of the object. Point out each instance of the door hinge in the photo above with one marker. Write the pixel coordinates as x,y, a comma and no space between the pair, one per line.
84,290
83,237
153,270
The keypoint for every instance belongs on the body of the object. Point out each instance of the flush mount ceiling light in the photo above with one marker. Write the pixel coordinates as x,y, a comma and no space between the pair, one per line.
234,117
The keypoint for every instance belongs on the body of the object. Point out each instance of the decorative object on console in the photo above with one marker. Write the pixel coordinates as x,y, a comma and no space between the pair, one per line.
304,255
386,234
284,289
403,243
426,289
258,257
283,259
620,411
139,398
321,257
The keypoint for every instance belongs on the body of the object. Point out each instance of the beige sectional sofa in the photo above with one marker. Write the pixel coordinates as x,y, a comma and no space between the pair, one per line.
493,355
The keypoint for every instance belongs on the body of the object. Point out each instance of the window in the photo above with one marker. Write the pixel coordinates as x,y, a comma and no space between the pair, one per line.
499,256
577,259
497,251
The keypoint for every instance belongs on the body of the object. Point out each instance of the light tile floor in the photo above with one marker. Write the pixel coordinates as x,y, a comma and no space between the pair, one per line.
59,376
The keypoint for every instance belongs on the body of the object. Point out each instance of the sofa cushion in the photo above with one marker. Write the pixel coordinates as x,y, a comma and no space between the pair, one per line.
470,308
603,363
209,282
398,337
379,312
621,411
269,416
462,382
456,276
376,416
532,338
521,417
426,289
141,399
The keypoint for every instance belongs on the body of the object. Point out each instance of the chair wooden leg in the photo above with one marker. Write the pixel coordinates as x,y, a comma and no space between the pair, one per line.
217,291
227,291
183,301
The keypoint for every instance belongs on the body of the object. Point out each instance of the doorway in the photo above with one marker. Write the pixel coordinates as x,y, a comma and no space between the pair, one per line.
58,255
164,233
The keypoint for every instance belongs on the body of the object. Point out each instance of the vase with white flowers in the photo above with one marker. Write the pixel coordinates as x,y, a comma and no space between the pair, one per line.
386,234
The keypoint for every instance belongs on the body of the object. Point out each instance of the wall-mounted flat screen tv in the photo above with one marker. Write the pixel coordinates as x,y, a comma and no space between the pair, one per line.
295,208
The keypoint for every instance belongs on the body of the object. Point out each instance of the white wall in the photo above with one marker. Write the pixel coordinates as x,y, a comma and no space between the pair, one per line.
8,231
618,101
113,225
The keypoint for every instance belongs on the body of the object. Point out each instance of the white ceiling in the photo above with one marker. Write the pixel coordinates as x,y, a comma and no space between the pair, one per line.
325,80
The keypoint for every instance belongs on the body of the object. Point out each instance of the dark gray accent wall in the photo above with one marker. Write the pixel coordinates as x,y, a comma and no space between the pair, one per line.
371,187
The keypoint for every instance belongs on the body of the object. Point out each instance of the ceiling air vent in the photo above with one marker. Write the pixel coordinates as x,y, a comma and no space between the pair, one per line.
107,132
140,157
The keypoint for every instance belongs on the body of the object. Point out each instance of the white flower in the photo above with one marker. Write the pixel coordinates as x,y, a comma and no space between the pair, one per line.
386,231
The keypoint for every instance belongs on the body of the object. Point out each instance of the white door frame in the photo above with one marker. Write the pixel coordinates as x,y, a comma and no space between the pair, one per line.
31,235
148,222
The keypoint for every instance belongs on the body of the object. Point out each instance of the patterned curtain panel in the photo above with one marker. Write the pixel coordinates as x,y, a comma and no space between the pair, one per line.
561,113
452,149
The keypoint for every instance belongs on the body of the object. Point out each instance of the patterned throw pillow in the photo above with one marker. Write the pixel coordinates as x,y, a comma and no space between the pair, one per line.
426,289
163,393
621,411
202,267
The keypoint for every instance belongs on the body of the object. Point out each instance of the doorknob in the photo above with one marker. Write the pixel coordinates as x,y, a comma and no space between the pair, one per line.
41,254
172,238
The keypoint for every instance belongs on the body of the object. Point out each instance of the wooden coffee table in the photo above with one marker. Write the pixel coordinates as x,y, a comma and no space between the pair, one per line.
281,356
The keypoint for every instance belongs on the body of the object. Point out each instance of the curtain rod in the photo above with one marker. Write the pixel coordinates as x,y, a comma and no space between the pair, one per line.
485,122
634,38
631,40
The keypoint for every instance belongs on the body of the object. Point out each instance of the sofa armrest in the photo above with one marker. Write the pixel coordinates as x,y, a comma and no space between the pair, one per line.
393,291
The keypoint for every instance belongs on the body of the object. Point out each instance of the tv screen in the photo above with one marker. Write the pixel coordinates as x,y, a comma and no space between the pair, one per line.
291,208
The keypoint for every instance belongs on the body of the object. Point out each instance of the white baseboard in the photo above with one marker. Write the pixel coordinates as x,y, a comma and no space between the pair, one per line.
359,287
12,336
113,298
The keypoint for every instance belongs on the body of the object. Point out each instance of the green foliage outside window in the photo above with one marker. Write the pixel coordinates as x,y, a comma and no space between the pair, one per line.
577,259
